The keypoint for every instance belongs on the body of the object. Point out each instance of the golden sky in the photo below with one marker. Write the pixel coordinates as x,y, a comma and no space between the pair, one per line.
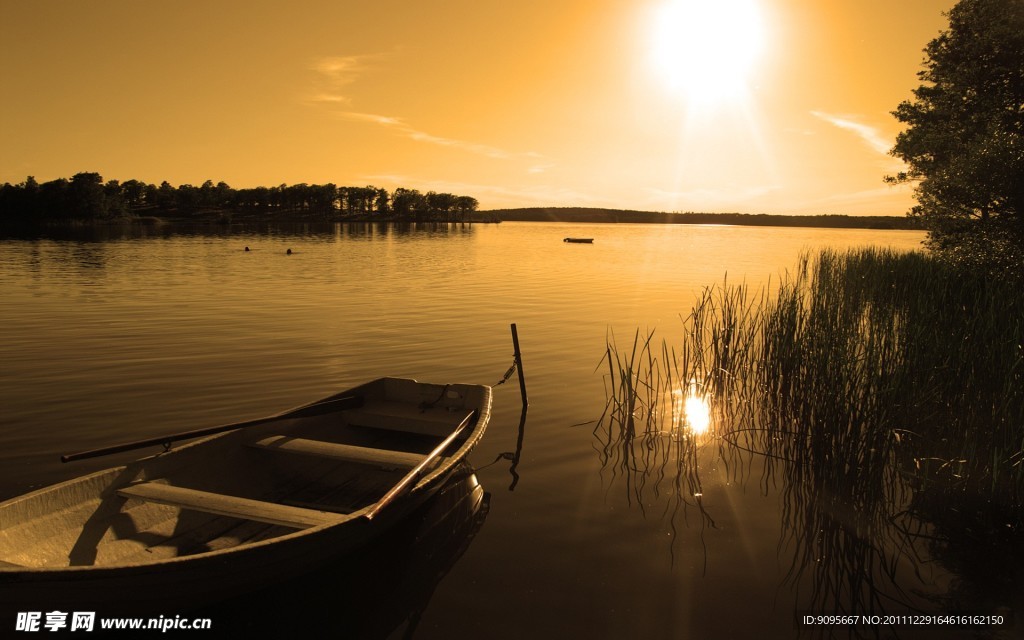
756,106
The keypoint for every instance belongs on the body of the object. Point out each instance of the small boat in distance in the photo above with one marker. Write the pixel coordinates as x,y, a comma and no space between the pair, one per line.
259,502
580,240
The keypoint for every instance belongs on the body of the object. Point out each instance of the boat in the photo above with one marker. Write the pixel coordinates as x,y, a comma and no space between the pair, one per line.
579,240
379,591
244,506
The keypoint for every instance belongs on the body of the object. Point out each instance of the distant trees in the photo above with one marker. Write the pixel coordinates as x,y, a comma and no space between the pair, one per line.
84,197
964,141
87,197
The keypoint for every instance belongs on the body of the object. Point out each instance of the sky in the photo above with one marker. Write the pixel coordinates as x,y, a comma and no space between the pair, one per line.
752,106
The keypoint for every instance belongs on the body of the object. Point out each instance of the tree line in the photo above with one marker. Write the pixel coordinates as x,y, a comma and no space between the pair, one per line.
587,214
86,196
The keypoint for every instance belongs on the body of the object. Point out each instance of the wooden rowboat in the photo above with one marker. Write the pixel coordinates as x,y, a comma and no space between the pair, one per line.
240,509
579,240
385,585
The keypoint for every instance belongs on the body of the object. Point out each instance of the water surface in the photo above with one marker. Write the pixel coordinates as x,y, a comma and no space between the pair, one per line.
128,334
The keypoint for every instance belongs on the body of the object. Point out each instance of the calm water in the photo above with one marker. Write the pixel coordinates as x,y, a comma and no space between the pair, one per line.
125,334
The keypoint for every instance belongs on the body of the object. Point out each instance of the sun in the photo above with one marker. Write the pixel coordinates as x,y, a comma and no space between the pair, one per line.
706,50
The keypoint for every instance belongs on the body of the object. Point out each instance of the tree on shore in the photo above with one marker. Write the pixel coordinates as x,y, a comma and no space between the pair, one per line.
964,141
86,197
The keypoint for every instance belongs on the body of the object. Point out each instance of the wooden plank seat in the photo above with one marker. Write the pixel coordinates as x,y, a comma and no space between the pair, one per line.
407,417
232,506
384,458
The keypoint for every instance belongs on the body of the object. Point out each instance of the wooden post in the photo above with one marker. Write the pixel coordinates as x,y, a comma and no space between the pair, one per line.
519,365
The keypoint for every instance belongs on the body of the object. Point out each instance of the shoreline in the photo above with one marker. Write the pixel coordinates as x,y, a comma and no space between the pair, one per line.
568,215
626,216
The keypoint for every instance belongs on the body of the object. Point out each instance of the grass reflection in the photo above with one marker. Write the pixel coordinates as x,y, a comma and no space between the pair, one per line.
884,391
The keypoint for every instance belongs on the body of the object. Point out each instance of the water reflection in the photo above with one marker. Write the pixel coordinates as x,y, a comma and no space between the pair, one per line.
651,432
848,535
691,409
145,229
518,453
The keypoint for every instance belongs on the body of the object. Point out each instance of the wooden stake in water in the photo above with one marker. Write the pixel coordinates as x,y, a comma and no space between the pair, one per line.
519,365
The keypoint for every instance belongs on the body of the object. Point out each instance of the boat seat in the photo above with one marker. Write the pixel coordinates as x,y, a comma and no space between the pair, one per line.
225,505
405,417
384,458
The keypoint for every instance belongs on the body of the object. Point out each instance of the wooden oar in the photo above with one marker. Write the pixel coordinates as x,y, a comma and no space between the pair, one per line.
407,482
305,411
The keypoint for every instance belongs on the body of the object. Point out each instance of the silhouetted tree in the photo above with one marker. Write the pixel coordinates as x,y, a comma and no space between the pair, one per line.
114,204
466,205
409,203
382,202
133,192
188,198
964,141
166,196
440,205
86,196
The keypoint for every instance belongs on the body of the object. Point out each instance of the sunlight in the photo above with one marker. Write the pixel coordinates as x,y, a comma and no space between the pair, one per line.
690,410
698,414
706,49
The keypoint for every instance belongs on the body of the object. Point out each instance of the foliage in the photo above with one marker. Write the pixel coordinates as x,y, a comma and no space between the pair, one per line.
87,197
964,141
886,389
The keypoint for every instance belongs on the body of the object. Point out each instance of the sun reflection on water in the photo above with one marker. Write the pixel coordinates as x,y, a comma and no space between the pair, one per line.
691,412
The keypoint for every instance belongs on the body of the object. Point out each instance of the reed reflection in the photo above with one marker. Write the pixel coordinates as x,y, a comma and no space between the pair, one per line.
847,535
652,429
830,389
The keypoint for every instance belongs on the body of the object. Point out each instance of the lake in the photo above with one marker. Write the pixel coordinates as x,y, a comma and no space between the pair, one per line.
116,334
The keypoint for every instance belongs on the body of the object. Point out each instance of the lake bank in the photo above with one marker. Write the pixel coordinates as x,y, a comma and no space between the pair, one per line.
580,215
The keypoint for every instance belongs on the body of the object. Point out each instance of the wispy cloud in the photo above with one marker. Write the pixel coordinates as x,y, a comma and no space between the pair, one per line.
400,127
335,73
384,121
868,134
340,69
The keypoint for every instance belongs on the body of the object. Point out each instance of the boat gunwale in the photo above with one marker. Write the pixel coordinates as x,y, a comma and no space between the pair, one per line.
355,519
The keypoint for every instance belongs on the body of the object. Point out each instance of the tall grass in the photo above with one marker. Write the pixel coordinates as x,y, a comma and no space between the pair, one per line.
883,388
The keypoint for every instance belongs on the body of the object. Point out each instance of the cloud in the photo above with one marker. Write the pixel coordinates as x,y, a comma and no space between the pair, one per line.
868,134
334,73
400,127
472,147
340,70
385,121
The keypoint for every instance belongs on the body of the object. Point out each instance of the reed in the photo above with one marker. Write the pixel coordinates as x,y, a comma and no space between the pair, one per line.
878,386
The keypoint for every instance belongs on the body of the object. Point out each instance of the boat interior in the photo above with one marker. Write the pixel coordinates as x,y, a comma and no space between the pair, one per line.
244,486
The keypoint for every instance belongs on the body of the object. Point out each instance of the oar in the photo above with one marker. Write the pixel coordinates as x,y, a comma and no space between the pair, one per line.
410,478
305,411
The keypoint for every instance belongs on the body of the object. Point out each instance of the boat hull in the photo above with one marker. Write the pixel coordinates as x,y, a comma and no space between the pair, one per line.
83,545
